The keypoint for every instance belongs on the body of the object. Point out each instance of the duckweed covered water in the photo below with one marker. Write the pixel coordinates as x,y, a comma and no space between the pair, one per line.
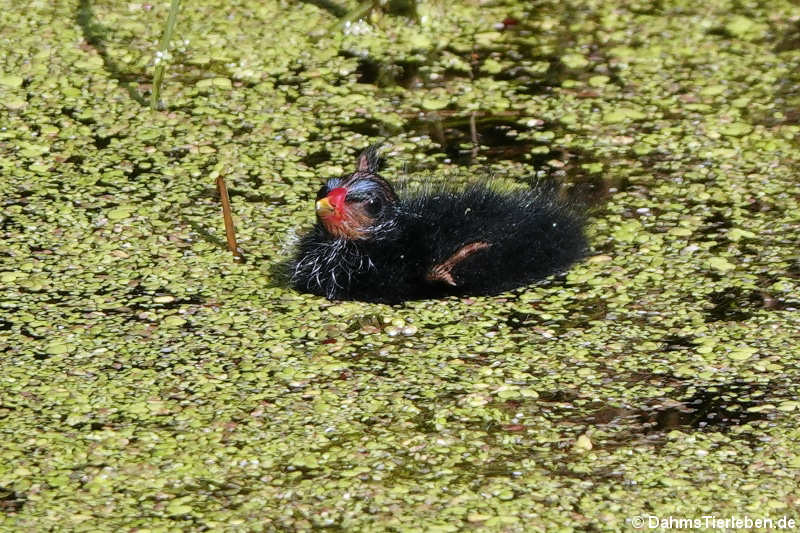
150,383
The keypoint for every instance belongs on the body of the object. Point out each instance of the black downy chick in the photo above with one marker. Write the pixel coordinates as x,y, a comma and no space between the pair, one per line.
371,244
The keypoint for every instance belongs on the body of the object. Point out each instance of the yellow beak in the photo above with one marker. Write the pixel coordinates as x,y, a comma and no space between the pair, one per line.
324,207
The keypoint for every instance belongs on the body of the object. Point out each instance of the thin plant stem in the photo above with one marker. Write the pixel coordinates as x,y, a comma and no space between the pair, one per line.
473,132
161,55
230,233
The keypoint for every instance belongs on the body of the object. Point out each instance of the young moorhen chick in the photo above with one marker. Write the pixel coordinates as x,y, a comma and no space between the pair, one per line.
371,244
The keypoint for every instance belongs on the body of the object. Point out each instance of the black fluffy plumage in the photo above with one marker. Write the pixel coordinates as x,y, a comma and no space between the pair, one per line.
371,244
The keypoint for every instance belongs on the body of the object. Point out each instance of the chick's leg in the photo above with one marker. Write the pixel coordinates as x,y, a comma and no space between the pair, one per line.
443,271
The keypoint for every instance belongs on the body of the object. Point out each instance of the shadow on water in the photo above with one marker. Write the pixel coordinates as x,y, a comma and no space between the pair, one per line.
499,138
95,35
332,7
405,8
483,139
713,408
381,74
790,40
688,407
533,66
707,407
739,304
11,502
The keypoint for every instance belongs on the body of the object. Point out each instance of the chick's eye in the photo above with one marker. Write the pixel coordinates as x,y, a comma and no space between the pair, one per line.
322,192
374,205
